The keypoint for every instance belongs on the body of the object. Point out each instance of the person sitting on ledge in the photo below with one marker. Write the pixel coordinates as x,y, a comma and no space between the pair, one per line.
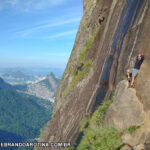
79,68
102,16
101,19
132,73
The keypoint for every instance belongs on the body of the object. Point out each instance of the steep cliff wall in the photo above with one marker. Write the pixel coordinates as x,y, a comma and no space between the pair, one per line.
105,50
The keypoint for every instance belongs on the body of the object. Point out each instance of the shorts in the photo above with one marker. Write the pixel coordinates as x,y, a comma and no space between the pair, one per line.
134,72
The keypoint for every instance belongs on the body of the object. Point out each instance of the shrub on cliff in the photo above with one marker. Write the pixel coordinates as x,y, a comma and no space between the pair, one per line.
97,136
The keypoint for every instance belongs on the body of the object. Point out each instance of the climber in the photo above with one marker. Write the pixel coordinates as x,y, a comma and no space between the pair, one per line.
132,73
79,68
101,19
102,16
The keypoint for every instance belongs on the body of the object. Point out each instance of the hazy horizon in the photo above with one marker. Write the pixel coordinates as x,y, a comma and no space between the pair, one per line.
36,71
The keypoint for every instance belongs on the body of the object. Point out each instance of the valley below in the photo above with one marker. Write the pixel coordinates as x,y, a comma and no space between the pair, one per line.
26,105
44,87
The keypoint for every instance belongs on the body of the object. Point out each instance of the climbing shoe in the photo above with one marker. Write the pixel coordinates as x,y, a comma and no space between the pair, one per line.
131,86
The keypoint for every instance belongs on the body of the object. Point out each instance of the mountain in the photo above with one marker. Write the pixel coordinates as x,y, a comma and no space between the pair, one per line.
4,85
51,82
111,34
16,112
44,88
17,77
33,71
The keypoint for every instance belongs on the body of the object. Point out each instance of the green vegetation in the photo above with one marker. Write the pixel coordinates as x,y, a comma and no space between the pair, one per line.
97,1
96,135
84,122
43,129
105,8
78,77
4,85
100,138
132,129
99,114
21,116
88,45
67,148
122,78
88,64
21,87
89,24
73,72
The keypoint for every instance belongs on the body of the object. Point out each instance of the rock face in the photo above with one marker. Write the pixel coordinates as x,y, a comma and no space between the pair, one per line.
143,84
112,47
126,109
126,148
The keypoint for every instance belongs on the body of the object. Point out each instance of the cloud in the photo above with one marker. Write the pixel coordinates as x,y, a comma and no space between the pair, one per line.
12,2
71,32
26,32
31,5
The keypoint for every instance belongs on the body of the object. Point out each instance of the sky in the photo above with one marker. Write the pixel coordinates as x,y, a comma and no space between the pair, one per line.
38,32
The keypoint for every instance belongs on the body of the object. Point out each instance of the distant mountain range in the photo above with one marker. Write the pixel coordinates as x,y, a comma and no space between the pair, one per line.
41,87
21,115
34,71
18,77
4,85
25,107
45,88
